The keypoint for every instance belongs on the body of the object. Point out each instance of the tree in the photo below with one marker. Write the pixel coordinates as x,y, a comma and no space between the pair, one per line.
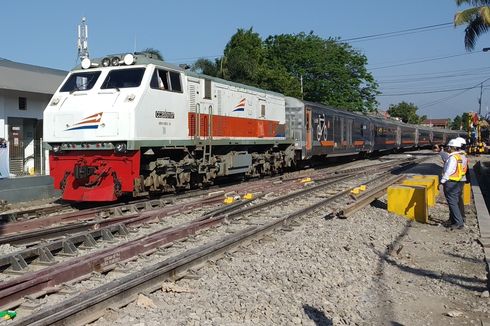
207,67
332,72
243,57
326,71
407,112
154,52
477,20
457,123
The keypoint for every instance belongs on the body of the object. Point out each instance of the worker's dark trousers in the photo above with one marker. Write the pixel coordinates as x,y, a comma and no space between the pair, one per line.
453,191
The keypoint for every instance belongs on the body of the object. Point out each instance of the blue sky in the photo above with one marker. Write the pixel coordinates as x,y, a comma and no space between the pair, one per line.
44,33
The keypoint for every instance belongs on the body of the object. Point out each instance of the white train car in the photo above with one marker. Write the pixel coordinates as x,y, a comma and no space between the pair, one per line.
134,124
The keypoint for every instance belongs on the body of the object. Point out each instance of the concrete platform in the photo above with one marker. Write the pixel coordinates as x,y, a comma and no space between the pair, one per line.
480,188
21,189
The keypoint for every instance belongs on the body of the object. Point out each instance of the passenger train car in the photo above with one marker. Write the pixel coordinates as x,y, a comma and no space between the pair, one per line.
319,130
131,124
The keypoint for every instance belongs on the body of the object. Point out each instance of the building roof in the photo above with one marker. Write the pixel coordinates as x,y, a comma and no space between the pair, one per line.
29,78
436,122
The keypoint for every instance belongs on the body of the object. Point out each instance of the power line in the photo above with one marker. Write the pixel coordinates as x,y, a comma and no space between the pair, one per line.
366,37
425,60
428,92
416,30
432,78
437,72
444,99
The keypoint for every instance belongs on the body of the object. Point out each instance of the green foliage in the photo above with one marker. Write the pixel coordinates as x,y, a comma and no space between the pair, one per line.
457,123
330,72
299,65
477,20
207,67
243,57
154,52
464,117
407,112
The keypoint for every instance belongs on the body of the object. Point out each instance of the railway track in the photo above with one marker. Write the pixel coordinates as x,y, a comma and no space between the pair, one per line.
32,222
242,220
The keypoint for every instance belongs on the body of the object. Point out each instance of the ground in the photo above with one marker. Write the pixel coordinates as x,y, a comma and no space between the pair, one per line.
374,268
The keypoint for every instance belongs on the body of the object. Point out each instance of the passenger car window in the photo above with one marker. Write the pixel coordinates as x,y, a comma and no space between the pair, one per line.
123,78
80,81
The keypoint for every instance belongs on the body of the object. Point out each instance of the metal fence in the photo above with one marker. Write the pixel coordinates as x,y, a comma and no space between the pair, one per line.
28,157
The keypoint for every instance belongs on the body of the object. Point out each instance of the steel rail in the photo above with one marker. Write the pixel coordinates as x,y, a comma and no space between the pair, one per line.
102,261
91,305
33,282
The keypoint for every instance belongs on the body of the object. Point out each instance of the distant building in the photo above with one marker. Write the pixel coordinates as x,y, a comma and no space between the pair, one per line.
25,91
437,123
383,114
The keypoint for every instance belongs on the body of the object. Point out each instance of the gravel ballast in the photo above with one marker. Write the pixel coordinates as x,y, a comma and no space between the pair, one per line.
374,268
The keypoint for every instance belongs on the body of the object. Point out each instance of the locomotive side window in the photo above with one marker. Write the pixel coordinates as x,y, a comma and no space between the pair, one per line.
159,80
175,82
166,80
207,89
123,78
80,81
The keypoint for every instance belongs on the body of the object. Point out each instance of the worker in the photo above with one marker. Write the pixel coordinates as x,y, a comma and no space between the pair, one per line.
453,179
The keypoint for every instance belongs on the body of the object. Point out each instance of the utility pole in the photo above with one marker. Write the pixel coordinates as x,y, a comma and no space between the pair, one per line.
83,40
301,82
481,94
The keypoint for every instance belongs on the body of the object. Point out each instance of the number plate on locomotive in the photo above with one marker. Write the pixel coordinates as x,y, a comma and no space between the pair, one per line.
164,115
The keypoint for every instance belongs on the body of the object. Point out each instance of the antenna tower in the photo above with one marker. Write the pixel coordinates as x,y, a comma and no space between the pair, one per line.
83,40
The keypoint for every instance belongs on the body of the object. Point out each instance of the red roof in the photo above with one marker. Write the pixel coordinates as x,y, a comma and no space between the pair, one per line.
441,122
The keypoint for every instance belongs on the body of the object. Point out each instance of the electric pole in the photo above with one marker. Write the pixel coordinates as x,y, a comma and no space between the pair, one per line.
481,94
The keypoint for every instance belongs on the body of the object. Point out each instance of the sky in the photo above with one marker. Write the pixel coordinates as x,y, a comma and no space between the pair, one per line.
425,66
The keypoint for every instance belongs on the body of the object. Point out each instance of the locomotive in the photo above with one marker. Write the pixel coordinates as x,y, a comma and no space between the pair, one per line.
132,124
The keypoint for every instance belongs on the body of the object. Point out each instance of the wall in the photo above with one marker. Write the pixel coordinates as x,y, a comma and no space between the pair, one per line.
3,119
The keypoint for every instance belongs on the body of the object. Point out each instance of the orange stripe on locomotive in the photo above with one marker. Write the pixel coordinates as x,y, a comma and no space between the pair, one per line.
223,126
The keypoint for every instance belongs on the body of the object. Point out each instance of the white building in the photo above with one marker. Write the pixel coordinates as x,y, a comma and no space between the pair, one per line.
25,90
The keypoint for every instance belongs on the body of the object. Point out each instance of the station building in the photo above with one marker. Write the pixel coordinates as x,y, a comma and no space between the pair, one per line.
25,90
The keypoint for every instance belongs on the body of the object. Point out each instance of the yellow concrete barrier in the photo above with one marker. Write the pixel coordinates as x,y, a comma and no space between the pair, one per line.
409,201
433,177
432,191
467,194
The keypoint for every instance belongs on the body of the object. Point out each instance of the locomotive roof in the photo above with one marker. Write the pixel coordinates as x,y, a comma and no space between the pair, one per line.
143,58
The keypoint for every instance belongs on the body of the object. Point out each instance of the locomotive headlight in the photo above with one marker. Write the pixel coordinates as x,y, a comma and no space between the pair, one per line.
128,59
120,148
115,61
57,148
106,62
86,63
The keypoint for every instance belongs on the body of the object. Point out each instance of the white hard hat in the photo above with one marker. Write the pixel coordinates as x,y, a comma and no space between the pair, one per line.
461,140
454,143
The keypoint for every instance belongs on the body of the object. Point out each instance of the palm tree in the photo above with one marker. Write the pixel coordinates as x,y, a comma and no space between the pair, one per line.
476,18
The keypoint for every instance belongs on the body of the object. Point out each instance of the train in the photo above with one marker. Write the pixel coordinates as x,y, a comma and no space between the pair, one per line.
130,124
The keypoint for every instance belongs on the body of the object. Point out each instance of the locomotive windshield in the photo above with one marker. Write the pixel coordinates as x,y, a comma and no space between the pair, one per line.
80,81
123,78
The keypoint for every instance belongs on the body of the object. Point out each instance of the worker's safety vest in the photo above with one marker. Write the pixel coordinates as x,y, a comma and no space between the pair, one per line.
460,168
